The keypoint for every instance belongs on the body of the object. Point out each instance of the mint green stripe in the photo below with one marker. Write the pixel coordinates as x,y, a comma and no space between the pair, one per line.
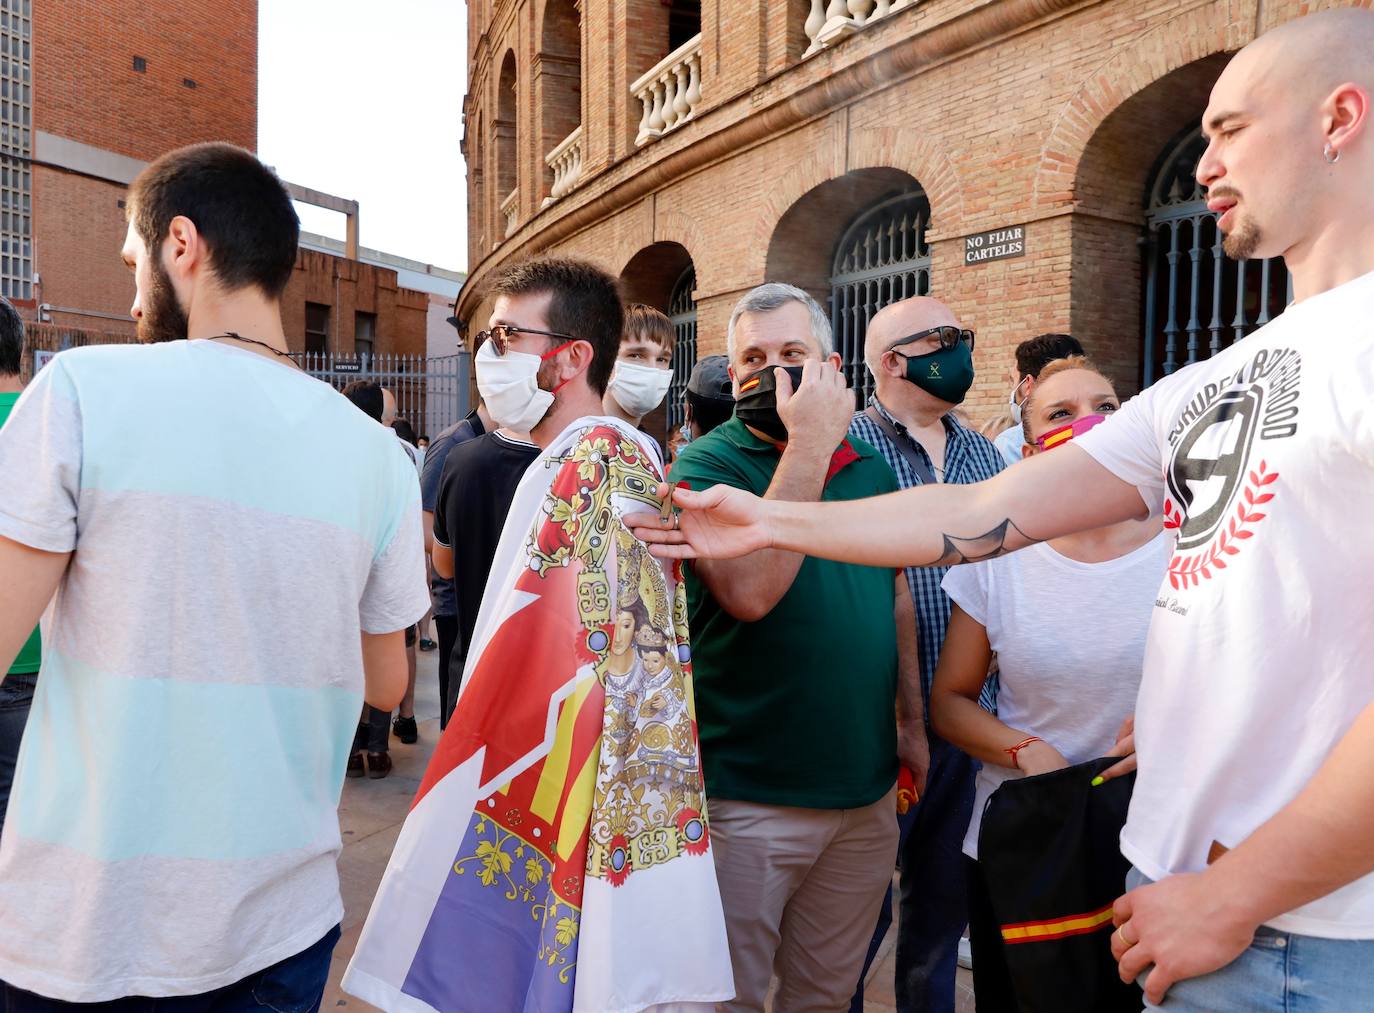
117,768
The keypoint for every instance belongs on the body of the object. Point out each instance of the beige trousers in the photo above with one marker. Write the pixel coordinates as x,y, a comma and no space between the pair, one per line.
801,890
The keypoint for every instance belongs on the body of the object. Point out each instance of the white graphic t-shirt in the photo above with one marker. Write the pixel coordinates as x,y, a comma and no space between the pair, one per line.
1261,650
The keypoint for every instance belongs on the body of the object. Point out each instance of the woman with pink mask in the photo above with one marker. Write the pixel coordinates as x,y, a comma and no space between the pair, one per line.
1067,621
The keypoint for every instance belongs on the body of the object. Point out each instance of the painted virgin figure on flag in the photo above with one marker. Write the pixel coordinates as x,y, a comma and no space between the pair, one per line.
557,856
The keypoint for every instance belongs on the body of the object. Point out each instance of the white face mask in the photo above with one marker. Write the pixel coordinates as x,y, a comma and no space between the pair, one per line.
509,385
639,389
1015,404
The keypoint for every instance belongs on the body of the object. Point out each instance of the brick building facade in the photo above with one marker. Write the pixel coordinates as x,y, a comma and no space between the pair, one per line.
90,93
113,87
859,150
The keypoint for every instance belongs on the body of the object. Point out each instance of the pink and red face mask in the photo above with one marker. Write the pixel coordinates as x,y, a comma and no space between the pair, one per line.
1064,434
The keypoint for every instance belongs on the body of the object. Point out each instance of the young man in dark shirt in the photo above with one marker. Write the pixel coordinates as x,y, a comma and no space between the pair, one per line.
475,493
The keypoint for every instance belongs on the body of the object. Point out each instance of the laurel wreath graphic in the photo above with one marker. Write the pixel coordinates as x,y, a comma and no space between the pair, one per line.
1189,571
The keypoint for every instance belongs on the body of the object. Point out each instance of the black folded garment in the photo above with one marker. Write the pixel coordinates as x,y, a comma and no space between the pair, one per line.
1049,848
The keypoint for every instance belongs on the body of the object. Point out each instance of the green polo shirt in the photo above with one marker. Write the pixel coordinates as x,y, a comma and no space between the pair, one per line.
30,654
796,709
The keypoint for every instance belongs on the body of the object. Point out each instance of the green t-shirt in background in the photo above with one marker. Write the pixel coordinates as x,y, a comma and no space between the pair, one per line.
796,709
30,655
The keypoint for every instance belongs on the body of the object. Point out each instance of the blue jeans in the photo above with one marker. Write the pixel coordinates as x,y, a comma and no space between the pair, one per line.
1280,972
294,985
16,696
934,898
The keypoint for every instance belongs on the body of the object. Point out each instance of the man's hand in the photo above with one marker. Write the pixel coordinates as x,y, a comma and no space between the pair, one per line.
1125,747
818,413
1182,926
719,523
913,750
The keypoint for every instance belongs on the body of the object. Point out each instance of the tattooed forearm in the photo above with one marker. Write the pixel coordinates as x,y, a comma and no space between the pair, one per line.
985,546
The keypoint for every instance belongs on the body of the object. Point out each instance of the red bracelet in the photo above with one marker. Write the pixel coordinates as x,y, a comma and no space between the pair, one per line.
1020,746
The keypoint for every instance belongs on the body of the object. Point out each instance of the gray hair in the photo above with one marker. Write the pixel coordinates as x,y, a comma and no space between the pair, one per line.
774,295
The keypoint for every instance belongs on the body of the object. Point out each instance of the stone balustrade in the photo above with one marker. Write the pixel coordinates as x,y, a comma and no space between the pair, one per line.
670,92
831,21
566,162
510,207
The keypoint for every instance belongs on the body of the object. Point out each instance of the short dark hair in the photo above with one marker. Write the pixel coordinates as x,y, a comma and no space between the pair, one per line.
1036,353
646,322
586,305
238,205
405,431
709,412
11,340
367,395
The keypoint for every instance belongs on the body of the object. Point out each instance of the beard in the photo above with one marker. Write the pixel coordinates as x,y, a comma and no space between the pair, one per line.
1243,241
163,318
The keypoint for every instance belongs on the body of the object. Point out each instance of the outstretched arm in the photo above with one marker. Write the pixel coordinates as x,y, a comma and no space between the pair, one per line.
1044,497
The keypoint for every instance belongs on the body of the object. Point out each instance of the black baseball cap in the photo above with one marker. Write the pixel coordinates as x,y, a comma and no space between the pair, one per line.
711,379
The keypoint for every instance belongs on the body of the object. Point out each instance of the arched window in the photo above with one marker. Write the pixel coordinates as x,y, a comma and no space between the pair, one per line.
1197,300
558,90
682,311
507,152
882,258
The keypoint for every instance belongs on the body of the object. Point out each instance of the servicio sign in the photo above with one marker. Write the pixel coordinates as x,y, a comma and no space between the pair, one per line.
999,244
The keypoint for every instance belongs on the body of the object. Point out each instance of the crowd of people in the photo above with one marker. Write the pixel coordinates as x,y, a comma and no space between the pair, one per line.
700,700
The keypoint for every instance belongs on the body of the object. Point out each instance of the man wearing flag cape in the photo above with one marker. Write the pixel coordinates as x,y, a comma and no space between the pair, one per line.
557,855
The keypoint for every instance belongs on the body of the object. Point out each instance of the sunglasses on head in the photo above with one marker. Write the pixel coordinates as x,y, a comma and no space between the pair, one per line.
500,336
948,334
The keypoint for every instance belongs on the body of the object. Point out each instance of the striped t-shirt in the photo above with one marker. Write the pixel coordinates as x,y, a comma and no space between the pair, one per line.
234,524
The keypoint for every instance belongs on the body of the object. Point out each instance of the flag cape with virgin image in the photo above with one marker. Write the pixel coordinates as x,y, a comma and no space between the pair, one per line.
557,856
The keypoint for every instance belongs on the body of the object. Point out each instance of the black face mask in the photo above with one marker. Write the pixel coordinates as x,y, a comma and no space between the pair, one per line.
757,404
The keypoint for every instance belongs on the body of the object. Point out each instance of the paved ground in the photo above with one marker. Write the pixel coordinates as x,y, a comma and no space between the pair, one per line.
370,817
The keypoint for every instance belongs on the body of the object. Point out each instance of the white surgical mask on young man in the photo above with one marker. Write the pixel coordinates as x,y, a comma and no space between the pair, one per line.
1014,404
509,385
639,389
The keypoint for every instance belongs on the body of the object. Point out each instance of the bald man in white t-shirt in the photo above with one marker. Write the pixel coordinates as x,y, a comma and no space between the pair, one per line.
1254,807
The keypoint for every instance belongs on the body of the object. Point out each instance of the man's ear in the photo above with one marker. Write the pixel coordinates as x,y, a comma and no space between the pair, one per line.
580,356
834,359
184,249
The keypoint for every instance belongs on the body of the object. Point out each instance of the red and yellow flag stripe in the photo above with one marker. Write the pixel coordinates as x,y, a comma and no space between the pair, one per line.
1057,928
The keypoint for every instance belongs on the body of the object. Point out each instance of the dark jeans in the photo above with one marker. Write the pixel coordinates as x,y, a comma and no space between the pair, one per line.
374,729
992,988
295,985
16,695
934,896
447,628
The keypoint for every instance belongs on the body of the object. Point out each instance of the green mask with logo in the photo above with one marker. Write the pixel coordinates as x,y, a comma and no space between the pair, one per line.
946,373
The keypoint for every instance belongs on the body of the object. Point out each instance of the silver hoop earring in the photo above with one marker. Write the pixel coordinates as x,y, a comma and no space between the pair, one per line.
1331,156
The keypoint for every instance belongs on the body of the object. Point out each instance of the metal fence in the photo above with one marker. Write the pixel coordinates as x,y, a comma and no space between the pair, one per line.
431,392
882,258
1198,301
682,314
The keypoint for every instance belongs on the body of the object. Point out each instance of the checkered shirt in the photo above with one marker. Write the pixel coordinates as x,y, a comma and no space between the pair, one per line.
969,458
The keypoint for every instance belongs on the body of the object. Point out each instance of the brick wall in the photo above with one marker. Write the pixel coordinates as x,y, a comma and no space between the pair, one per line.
1055,123
348,287
86,89
78,232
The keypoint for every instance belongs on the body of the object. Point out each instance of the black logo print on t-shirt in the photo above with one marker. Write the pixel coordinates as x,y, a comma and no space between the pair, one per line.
1217,476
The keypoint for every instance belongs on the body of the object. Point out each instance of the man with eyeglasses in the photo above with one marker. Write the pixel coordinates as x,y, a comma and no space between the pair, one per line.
922,363
563,811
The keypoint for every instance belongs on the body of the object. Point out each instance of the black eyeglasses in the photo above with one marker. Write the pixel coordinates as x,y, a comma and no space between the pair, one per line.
501,334
948,334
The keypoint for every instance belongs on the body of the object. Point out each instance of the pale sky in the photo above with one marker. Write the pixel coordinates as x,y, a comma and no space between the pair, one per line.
363,100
